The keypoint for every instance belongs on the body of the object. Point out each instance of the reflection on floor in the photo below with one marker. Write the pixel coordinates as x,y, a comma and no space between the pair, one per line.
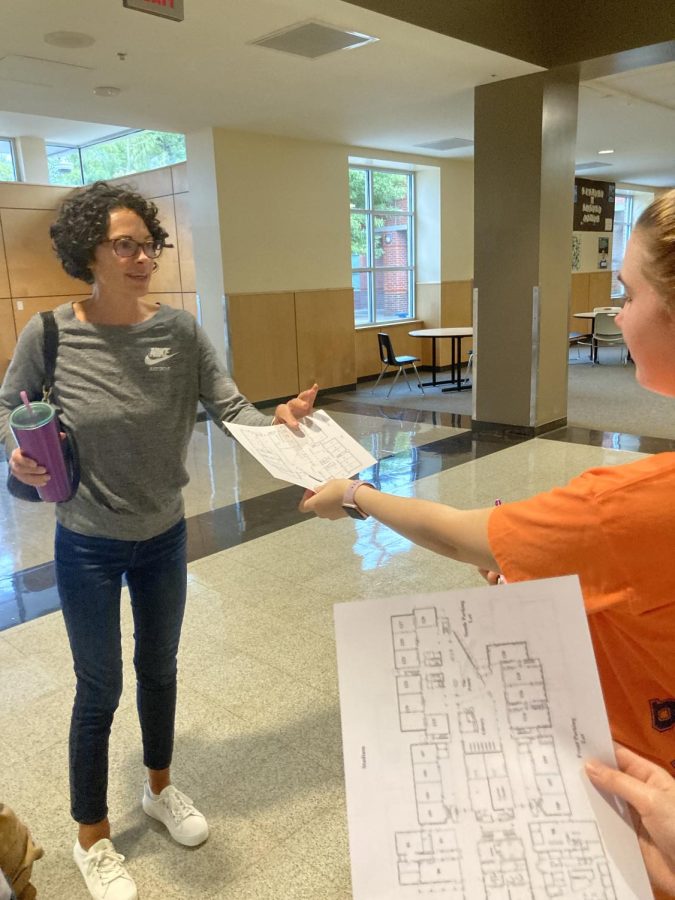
258,732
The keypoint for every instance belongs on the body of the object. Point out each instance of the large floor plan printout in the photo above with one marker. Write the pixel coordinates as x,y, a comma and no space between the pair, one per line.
466,717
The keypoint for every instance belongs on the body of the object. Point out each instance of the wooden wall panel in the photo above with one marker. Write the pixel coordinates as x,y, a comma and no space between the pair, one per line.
428,303
167,278
367,349
183,241
262,340
456,312
4,277
26,307
7,334
18,195
190,303
34,270
155,183
324,322
579,301
179,178
600,289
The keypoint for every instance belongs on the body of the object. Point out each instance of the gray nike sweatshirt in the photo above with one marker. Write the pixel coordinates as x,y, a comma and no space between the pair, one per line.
129,394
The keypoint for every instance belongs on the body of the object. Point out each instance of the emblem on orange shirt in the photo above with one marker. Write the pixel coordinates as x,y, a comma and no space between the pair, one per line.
663,714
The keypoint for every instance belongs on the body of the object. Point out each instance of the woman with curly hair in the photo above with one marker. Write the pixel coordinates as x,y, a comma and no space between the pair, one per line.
129,375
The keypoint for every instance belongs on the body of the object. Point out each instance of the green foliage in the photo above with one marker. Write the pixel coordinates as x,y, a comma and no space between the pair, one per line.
125,155
7,172
389,192
131,153
64,167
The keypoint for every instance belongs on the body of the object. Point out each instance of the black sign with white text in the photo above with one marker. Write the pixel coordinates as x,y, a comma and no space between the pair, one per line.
593,205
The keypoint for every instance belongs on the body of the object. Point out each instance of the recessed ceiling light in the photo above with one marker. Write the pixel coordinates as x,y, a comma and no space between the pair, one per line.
605,151
73,40
107,90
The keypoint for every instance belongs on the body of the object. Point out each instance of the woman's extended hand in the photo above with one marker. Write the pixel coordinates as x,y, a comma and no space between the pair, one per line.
650,790
326,501
297,408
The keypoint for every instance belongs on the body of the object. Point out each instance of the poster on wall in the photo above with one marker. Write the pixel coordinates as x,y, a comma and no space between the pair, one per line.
603,252
593,205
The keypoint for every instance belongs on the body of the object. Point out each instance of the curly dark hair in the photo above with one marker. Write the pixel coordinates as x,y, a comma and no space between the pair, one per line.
84,218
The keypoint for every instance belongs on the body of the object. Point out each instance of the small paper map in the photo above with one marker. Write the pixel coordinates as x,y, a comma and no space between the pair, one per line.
310,455
466,718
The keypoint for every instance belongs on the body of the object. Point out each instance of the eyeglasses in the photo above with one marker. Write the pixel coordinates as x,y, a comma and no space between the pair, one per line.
127,247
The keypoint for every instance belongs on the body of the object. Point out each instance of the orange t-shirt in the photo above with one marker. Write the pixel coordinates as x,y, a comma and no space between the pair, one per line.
614,527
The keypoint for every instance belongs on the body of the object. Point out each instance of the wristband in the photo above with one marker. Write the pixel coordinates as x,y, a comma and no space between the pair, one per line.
349,502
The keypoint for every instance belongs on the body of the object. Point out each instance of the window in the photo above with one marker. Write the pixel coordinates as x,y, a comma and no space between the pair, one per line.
382,244
628,206
64,164
135,151
7,166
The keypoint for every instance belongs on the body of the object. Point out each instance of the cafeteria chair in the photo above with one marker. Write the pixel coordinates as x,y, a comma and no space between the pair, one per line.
606,333
469,365
390,359
575,338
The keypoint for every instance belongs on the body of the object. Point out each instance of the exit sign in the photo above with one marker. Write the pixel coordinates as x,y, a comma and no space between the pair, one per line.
168,9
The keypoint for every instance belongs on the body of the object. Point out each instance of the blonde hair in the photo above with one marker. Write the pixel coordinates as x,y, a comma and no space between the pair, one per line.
656,227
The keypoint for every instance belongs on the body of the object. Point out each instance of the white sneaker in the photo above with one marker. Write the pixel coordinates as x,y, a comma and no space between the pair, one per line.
173,809
103,872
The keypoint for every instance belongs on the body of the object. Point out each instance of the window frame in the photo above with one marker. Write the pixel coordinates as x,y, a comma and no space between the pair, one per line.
12,154
61,149
617,289
108,140
373,270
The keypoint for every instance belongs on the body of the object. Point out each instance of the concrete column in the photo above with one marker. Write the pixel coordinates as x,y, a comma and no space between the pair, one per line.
31,160
525,135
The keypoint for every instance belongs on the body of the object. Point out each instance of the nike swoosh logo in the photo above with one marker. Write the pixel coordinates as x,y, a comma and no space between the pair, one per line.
153,361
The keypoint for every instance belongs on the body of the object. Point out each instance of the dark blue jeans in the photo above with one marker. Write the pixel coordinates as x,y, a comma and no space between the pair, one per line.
89,574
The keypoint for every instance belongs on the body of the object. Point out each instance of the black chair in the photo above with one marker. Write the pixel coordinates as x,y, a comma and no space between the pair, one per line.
389,358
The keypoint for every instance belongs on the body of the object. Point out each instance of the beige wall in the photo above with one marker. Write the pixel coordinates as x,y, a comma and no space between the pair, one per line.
284,213
457,220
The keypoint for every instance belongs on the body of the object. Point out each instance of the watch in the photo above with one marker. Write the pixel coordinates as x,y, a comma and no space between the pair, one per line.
349,503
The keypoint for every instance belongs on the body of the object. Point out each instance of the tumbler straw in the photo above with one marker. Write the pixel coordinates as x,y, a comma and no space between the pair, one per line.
26,403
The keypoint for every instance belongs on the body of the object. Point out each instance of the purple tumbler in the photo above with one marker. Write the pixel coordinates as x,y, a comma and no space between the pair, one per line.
36,431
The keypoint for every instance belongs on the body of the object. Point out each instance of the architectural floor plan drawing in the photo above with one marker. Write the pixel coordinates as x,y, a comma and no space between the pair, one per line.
466,718
310,455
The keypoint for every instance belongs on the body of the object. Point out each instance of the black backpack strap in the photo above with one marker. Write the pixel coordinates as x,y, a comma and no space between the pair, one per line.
50,349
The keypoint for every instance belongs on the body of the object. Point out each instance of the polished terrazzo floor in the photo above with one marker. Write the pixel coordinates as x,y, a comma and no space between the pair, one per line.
258,732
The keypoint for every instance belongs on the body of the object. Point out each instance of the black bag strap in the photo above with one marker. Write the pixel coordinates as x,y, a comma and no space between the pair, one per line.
50,347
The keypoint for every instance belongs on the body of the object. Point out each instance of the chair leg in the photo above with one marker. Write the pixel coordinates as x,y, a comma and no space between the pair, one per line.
419,381
405,375
379,379
469,366
393,385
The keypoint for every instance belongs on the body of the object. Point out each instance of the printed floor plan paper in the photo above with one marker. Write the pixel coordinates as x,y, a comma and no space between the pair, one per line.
310,455
466,717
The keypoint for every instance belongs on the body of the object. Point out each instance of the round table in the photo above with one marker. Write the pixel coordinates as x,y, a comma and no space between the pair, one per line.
455,335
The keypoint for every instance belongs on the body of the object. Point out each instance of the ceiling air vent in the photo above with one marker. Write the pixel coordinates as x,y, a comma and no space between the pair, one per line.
312,39
446,144
581,167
